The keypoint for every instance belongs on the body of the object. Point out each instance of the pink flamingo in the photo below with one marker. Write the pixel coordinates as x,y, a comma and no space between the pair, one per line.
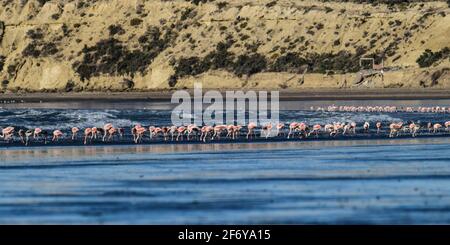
74,133
218,129
206,130
251,130
413,128
56,135
111,132
180,131
106,129
447,125
192,129
140,131
293,127
436,127
316,129
395,128
87,134
280,127
7,133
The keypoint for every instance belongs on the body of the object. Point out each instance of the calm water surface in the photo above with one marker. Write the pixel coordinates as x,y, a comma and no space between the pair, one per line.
345,182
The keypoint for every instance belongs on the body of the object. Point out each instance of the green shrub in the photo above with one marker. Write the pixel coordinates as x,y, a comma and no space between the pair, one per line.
249,64
116,29
2,62
111,57
291,62
35,34
135,22
271,4
429,57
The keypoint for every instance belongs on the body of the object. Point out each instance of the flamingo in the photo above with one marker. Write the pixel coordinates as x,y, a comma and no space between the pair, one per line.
280,127
447,125
7,133
251,130
316,130
395,128
22,136
28,134
181,130
218,129
266,129
366,127
106,129
74,133
378,125
413,128
436,127
56,135
87,134
111,132
192,128
140,131
206,130
292,128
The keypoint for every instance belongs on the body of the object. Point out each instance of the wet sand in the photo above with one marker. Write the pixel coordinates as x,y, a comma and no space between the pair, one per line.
285,95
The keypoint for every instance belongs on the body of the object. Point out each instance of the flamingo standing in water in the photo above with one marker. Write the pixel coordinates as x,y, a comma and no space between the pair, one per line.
7,133
366,127
413,129
280,127
28,134
430,127
437,127
447,125
378,125
87,134
172,131
106,129
111,132
395,129
303,128
251,130
21,134
206,130
74,133
180,132
140,131
192,129
266,130
293,127
218,130
316,130
38,133
56,135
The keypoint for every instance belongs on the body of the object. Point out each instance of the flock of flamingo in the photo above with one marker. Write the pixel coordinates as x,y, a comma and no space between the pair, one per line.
109,133
388,108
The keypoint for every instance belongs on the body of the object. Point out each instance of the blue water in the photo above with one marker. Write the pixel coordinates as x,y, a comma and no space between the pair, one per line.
369,182
374,181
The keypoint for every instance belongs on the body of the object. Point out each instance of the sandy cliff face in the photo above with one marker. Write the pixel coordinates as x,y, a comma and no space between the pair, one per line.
64,45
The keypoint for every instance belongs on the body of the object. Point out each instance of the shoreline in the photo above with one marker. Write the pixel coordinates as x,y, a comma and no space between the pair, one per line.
285,95
160,142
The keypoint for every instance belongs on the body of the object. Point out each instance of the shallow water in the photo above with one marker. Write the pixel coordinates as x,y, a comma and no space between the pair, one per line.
341,182
377,181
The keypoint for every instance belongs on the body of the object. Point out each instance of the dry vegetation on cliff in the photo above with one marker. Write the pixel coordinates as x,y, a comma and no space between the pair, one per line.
76,45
